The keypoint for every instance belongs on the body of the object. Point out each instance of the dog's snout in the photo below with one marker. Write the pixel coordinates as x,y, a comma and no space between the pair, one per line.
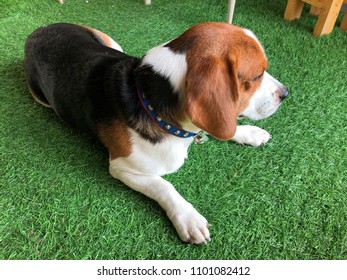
284,94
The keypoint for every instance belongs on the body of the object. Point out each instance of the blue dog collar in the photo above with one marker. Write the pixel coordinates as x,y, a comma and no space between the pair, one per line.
199,137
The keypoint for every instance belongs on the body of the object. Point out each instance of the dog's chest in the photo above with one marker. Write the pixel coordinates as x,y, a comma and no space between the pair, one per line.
155,159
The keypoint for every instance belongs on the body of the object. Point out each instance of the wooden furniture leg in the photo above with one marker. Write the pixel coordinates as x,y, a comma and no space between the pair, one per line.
315,10
293,9
343,25
327,17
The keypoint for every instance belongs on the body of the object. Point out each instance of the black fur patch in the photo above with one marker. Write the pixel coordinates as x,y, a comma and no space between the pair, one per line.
89,84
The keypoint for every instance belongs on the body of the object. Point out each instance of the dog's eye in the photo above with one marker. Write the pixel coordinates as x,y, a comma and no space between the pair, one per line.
257,78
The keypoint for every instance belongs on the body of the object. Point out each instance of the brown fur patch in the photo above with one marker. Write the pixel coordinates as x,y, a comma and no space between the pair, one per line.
212,96
116,138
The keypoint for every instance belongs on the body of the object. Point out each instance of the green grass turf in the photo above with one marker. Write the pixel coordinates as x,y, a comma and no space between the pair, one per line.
285,200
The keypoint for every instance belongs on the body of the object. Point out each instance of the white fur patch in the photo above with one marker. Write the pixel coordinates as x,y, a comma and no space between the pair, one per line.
115,45
251,135
168,64
159,159
252,35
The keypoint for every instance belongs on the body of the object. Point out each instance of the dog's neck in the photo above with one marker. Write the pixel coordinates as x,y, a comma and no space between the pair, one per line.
167,127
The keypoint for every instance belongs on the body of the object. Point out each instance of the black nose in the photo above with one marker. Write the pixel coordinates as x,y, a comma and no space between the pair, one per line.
284,94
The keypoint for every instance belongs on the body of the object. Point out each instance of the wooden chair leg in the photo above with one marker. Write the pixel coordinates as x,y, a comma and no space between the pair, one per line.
293,9
327,17
315,10
343,25
231,10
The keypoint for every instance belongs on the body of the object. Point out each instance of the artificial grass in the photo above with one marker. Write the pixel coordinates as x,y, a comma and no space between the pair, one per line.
285,200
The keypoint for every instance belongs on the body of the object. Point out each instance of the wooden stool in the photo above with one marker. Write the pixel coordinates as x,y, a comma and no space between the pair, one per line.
327,11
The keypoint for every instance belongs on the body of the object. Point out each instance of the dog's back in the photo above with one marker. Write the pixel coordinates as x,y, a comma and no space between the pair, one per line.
68,68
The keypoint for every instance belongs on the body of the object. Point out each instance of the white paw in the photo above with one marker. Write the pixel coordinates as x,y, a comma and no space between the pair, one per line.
190,225
251,135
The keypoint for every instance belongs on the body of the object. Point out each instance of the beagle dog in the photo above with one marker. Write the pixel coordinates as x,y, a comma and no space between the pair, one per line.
147,111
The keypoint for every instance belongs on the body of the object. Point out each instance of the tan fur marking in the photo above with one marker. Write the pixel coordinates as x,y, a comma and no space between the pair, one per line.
116,138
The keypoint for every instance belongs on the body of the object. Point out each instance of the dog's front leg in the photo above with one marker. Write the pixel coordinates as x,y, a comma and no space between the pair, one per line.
190,225
251,135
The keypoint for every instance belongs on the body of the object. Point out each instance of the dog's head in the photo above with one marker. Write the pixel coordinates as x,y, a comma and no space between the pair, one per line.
219,71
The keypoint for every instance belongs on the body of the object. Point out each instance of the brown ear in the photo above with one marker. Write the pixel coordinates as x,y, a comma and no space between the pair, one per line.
212,96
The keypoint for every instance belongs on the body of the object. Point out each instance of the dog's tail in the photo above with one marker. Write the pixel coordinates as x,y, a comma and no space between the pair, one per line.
103,38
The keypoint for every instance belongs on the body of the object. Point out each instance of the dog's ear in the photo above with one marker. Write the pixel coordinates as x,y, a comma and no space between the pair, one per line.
212,96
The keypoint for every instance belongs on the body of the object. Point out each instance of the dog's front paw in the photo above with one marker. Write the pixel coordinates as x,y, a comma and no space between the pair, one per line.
190,225
251,135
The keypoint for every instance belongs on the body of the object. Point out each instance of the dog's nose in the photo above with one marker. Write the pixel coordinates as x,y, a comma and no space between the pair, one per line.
284,94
